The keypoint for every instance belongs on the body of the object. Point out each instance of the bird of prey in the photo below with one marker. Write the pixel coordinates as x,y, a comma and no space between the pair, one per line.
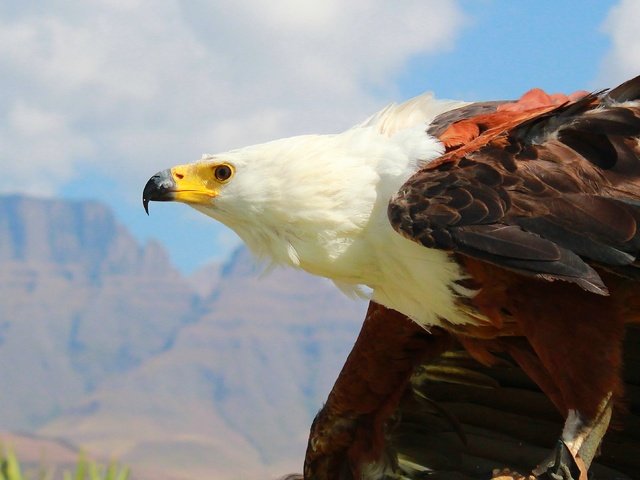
509,228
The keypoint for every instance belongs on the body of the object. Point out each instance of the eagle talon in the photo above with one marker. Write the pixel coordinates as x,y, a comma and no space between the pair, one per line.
561,466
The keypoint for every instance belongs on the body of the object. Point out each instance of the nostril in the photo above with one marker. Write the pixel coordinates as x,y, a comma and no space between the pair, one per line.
179,176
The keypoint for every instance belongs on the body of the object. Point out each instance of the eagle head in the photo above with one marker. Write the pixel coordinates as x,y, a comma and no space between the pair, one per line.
300,200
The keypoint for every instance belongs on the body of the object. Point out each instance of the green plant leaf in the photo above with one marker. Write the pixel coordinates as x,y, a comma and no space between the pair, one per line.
13,471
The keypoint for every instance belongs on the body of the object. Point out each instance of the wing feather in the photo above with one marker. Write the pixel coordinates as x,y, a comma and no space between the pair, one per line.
551,191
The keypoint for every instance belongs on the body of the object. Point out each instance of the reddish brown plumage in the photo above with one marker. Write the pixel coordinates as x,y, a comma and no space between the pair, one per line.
573,338
469,135
463,133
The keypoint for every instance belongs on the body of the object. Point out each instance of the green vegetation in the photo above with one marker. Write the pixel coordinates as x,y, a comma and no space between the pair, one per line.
85,469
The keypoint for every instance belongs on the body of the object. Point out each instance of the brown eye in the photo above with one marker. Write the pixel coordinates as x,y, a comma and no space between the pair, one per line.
222,172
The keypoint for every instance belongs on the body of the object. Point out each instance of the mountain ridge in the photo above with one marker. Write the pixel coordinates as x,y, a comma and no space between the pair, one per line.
129,358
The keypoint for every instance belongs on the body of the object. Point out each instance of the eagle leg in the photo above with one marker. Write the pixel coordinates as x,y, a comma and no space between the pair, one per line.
578,446
562,465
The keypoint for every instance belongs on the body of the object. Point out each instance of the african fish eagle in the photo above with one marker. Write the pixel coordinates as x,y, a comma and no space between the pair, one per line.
511,227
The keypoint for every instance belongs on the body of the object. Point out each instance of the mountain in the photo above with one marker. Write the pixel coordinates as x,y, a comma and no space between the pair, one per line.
214,376
80,301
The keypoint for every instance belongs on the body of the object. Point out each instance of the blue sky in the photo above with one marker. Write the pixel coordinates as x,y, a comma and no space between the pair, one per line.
98,96
507,47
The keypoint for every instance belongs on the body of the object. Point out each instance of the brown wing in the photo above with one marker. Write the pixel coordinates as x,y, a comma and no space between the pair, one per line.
546,191
409,404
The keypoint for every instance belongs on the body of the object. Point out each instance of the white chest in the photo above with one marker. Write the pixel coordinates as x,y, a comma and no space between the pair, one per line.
403,275
422,284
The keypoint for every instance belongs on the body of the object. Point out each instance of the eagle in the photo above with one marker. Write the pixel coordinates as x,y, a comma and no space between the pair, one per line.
509,229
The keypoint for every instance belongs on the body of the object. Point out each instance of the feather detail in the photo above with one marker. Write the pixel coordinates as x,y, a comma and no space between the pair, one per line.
418,111
293,255
544,186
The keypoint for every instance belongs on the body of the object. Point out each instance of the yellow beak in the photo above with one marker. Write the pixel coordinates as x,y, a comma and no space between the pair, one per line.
192,183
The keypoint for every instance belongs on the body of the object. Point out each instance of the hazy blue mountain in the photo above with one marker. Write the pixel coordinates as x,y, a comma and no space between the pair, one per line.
80,301
105,344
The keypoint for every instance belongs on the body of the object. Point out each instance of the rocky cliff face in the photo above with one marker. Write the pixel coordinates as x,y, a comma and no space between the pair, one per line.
79,301
106,345
81,237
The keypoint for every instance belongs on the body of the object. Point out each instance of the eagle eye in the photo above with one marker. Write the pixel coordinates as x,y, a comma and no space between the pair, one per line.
222,172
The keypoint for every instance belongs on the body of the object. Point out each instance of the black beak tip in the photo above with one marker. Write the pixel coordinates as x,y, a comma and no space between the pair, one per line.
159,188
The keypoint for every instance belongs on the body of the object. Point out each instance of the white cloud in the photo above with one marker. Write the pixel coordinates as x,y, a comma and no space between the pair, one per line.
37,146
144,84
623,60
